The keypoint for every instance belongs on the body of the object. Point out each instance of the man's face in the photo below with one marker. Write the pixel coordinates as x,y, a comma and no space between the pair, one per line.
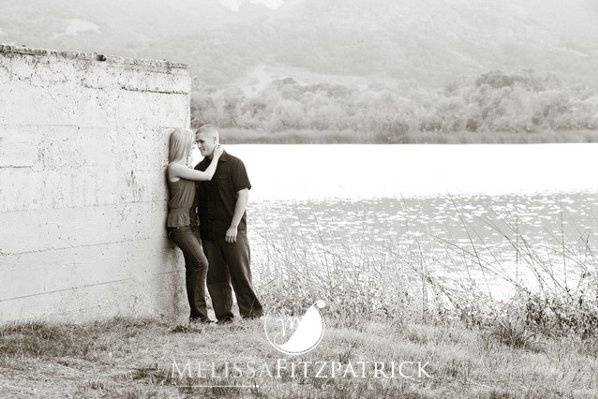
206,143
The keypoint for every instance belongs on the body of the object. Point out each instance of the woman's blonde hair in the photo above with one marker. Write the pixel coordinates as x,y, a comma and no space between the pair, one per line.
180,144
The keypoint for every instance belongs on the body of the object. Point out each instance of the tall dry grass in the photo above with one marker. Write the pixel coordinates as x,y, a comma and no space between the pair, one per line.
547,288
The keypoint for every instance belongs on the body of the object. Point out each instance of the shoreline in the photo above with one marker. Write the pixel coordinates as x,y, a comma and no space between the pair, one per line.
304,136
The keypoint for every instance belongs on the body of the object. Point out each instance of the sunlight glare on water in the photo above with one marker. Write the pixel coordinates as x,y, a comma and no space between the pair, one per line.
300,172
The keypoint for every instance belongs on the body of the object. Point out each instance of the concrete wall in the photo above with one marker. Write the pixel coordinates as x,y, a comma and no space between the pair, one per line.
83,147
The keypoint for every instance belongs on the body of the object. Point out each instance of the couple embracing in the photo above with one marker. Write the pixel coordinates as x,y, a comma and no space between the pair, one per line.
207,206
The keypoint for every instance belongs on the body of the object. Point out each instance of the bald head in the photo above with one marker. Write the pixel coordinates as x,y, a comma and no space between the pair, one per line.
208,130
207,138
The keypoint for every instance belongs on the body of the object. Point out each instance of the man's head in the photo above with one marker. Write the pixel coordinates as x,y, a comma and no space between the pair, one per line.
207,139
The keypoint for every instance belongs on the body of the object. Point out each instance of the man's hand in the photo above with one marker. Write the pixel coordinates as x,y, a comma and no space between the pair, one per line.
231,234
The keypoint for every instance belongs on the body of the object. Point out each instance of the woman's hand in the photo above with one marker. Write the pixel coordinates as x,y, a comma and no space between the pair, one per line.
218,151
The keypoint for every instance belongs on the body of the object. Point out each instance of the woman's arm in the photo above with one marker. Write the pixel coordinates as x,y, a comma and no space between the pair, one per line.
184,172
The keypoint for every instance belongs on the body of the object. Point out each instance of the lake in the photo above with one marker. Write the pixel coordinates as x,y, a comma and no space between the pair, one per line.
454,206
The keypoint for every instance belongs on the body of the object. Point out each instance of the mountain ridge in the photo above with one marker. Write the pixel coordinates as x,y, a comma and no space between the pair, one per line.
424,42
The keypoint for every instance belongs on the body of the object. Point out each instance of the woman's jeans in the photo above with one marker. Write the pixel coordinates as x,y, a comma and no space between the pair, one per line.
196,269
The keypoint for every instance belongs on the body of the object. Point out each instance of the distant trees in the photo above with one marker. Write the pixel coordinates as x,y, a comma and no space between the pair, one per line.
495,101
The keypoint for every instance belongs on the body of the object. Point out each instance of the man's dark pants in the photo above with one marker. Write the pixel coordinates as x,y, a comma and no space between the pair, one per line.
229,264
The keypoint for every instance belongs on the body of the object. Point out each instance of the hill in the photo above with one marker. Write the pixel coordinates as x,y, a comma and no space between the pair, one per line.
421,43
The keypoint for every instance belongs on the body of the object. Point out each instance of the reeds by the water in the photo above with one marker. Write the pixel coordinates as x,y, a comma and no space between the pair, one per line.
548,288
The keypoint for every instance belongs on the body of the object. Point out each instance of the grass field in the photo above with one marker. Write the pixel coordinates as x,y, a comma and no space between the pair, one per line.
134,359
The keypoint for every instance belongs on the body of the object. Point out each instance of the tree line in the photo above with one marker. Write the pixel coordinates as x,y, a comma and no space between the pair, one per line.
494,102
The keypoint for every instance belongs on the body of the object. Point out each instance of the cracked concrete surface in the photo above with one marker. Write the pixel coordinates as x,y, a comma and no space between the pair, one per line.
83,147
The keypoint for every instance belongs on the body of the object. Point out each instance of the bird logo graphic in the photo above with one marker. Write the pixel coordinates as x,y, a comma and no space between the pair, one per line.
296,335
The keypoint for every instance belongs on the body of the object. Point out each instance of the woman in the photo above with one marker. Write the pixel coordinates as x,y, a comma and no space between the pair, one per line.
181,186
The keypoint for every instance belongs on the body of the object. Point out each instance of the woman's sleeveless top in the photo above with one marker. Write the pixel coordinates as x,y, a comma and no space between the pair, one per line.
182,194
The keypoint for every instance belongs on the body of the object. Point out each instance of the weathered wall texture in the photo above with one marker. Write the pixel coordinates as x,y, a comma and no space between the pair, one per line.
83,147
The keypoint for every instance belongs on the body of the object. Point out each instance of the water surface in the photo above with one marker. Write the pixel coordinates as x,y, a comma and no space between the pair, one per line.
449,205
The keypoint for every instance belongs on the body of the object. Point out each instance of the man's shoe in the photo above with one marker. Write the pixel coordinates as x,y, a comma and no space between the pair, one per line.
200,320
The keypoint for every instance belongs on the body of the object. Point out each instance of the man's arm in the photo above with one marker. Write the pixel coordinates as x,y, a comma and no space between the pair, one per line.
240,206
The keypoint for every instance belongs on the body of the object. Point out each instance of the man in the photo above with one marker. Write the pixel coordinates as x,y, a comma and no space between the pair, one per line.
221,205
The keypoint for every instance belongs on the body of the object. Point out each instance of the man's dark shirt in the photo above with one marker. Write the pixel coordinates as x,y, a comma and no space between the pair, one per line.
216,199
